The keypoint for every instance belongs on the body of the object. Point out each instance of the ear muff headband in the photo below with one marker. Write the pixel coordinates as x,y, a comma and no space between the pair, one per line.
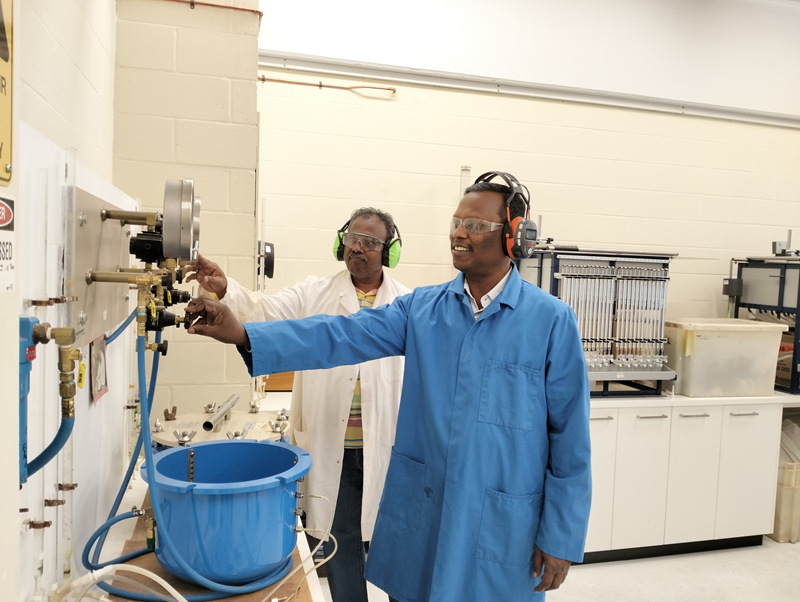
390,256
515,245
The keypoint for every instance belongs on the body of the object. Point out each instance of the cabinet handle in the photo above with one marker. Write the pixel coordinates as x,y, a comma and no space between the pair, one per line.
704,415
652,417
603,418
745,414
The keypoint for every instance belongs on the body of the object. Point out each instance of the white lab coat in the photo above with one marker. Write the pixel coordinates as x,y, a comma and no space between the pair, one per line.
321,399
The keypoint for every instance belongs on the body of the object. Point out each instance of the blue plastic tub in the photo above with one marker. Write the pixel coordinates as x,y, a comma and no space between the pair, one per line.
235,522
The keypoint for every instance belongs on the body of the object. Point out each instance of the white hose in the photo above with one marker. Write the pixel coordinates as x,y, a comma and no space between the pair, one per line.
317,547
96,576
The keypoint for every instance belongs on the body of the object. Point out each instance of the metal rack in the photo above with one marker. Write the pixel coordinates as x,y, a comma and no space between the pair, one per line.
619,299
770,288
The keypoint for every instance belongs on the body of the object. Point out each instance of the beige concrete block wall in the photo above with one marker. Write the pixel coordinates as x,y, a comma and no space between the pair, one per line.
185,107
65,54
602,177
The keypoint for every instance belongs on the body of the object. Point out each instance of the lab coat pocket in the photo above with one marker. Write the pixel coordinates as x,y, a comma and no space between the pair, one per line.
509,525
404,491
508,395
302,439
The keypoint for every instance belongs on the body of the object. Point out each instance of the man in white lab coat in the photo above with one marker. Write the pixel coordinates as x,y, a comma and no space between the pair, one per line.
346,416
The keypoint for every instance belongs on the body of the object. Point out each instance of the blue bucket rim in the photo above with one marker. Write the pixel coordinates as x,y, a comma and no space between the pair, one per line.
302,466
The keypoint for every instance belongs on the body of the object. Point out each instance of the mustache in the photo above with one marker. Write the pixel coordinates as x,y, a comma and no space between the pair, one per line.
354,255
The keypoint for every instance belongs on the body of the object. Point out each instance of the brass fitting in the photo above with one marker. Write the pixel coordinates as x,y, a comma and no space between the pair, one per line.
136,218
43,333
68,406
66,359
63,336
137,278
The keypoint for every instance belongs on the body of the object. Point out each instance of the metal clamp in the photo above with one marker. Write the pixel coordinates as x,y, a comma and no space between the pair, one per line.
51,503
237,434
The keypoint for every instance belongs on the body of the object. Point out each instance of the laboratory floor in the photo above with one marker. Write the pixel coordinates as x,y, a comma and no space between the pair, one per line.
767,573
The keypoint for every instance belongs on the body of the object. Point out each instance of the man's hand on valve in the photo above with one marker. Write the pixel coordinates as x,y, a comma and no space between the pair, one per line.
212,319
208,275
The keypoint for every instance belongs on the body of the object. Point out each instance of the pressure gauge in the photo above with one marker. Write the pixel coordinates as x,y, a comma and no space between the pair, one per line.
181,220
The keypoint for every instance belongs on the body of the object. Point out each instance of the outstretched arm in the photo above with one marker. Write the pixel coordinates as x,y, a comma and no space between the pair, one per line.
212,319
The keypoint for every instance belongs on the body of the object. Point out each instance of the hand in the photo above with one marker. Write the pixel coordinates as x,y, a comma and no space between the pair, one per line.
555,571
213,319
208,275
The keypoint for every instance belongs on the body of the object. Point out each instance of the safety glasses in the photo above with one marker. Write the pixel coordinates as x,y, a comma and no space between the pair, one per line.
473,225
368,243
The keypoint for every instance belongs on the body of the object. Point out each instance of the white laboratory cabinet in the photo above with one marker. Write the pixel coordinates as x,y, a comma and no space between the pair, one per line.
671,470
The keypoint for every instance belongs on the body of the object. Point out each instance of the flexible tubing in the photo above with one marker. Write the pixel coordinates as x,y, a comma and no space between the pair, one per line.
51,451
93,565
122,328
96,578
163,534
101,531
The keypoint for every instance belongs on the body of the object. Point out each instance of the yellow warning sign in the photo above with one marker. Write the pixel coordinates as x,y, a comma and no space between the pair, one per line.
6,34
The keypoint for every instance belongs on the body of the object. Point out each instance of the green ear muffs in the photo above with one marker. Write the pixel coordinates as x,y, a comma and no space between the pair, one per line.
391,253
338,245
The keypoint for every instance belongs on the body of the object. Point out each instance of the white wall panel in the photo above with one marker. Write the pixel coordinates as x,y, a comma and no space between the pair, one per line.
602,177
728,53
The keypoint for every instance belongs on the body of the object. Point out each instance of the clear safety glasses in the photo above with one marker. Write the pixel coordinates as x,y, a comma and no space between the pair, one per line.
368,243
473,225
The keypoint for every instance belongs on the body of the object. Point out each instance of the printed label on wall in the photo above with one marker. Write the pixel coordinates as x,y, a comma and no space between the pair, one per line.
5,91
7,274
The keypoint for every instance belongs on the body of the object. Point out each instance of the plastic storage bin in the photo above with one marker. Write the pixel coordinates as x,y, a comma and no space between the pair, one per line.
787,504
722,357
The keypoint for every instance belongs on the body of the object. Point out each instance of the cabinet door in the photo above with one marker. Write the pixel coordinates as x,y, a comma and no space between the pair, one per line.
693,473
748,470
640,482
603,428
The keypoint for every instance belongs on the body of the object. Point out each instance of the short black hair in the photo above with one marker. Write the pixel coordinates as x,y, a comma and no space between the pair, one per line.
517,208
387,219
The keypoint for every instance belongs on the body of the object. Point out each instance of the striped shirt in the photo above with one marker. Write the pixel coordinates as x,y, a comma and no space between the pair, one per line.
354,434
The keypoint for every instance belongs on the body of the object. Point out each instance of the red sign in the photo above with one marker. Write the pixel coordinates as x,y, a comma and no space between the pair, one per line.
6,214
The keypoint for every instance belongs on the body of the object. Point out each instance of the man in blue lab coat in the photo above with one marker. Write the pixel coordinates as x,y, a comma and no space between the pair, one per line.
488,490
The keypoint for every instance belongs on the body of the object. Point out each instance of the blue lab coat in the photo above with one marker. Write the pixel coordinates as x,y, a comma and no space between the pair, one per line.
491,456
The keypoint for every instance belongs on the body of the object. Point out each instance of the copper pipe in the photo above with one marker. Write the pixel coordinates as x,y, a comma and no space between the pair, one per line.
321,85
193,3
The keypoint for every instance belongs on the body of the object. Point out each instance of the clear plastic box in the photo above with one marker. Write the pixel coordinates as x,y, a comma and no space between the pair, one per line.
787,504
723,357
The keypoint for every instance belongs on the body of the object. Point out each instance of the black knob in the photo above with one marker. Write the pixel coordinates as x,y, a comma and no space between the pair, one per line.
162,348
